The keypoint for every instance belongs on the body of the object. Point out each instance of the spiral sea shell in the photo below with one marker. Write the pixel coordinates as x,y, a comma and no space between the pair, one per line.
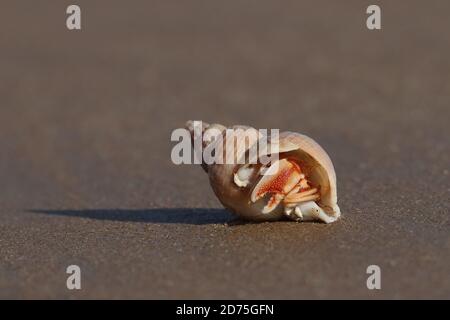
300,184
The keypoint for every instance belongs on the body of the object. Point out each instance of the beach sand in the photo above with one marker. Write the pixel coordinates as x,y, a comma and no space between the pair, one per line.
85,168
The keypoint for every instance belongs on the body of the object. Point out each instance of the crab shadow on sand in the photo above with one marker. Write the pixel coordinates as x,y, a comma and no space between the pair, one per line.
193,216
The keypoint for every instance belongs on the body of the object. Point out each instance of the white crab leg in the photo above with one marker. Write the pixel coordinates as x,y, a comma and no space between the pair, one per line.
303,184
301,196
299,214
293,191
311,211
312,197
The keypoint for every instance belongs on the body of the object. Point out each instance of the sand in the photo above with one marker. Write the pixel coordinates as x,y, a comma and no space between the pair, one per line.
85,169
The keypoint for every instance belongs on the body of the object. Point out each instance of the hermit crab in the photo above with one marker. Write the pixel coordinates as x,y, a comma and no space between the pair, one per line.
299,183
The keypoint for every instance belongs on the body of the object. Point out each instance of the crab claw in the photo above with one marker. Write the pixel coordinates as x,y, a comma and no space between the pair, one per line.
280,178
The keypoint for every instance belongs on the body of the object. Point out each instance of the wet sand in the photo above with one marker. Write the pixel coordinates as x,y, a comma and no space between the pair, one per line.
86,176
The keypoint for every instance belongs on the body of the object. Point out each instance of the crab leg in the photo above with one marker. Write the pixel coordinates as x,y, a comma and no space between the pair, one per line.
312,197
311,211
296,189
303,184
300,196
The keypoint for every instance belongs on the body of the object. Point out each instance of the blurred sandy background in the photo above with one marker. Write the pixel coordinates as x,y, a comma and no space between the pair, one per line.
85,123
